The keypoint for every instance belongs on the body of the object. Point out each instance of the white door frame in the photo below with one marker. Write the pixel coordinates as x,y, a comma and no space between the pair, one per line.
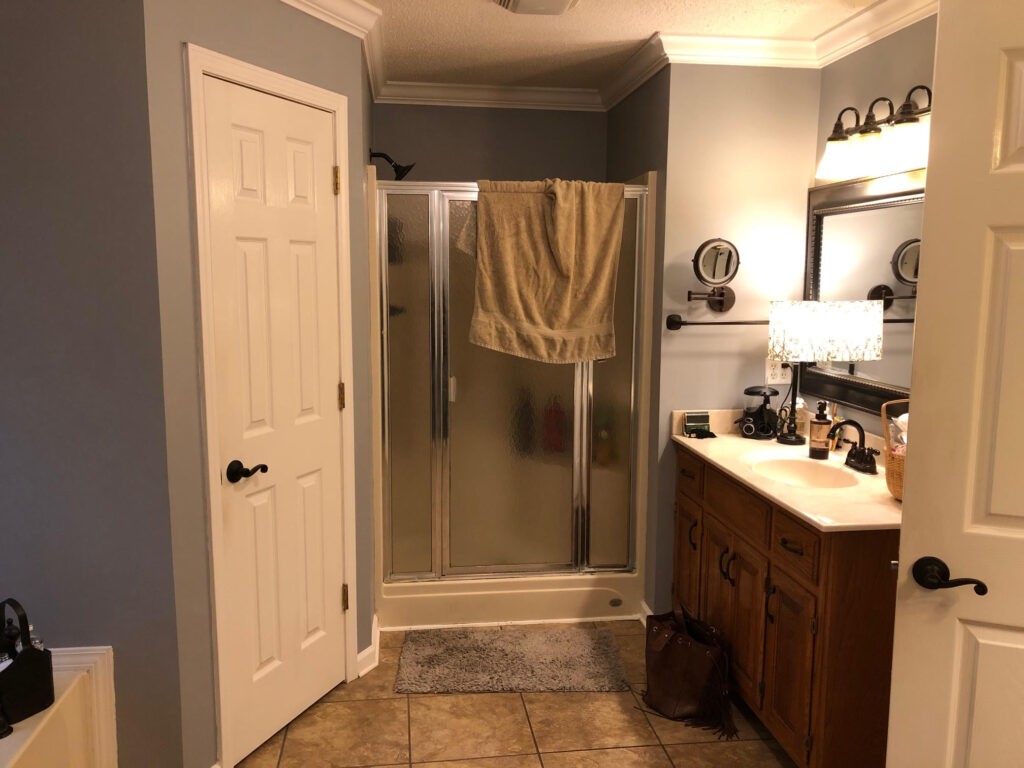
201,62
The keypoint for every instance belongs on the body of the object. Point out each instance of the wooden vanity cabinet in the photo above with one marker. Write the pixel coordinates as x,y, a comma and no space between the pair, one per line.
808,614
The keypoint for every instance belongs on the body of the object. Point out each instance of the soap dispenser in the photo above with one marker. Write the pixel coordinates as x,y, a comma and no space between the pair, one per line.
818,441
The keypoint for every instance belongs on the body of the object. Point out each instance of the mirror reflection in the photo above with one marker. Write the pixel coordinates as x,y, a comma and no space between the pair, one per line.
716,262
857,254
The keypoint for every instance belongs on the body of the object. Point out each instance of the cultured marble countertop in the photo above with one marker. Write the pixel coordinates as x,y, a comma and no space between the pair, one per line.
865,506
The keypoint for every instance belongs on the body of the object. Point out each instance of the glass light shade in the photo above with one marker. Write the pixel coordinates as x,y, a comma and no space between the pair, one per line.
824,331
907,145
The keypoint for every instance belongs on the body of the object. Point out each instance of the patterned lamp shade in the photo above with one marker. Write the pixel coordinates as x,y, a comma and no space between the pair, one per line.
823,331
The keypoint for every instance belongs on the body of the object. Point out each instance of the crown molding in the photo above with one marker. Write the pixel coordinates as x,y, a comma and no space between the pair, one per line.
353,16
869,26
360,18
511,97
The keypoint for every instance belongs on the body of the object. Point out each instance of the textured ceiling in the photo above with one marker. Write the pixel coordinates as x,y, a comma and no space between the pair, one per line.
477,42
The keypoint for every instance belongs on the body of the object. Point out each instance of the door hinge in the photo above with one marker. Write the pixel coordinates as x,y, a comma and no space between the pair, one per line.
807,744
814,625
344,597
760,690
341,395
337,180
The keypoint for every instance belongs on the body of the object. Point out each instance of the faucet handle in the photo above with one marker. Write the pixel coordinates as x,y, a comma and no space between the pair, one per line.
873,451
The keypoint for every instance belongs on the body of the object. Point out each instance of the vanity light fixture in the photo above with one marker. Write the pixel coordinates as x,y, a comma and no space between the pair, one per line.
878,147
819,332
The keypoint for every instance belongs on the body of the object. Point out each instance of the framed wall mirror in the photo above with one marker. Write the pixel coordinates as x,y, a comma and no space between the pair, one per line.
863,241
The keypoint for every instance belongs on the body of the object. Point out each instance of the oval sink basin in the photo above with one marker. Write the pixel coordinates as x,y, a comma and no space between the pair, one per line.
805,473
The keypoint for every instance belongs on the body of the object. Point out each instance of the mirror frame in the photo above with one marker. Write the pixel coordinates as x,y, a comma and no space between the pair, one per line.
847,197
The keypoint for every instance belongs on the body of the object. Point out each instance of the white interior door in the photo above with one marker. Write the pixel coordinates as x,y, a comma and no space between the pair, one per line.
958,667
277,545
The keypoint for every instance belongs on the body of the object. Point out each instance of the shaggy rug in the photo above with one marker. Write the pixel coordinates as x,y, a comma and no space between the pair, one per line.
509,659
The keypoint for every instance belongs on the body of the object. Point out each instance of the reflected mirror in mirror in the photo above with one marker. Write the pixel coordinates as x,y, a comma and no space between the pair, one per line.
716,262
859,242
906,261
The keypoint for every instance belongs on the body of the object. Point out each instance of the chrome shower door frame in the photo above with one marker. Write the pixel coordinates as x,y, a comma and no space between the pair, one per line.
439,198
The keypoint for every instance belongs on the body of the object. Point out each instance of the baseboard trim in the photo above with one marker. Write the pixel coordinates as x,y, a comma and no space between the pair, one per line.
469,625
98,663
369,658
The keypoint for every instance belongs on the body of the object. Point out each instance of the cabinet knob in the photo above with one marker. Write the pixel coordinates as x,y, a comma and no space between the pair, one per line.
689,535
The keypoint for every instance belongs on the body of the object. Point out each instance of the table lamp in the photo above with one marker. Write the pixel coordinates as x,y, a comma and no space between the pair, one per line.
820,332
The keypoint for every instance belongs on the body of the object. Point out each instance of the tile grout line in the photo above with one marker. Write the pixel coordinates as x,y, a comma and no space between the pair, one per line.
408,724
533,735
280,755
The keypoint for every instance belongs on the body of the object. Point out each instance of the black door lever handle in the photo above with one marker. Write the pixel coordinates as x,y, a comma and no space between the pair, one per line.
932,573
236,470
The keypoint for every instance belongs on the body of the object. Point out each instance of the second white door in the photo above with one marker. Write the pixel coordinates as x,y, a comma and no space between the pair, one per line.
277,545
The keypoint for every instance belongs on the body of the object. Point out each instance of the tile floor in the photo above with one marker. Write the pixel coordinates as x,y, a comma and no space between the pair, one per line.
366,723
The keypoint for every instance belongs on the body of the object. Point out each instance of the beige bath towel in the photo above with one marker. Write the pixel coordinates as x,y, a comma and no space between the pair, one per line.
547,261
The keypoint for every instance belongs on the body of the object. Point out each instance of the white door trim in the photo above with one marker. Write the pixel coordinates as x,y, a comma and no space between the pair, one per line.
200,62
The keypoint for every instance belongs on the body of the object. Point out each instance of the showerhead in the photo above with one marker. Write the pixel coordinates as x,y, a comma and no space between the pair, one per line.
401,171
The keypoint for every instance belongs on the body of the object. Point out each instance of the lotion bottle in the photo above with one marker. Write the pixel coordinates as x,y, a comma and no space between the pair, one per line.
820,425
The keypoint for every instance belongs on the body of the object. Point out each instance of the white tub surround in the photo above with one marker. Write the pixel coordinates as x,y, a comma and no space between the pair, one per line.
862,506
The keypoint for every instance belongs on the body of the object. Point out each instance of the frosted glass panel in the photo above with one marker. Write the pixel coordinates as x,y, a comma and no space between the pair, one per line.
409,382
510,439
611,435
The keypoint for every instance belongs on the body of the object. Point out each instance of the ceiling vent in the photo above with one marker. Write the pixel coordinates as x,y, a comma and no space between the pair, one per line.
545,7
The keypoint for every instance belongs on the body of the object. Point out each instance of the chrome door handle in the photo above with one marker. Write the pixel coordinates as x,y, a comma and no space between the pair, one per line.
932,573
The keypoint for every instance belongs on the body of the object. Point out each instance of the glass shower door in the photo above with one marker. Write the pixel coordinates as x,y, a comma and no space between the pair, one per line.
510,489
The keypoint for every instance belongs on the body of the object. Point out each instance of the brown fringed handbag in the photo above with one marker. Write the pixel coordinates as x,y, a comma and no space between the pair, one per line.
688,672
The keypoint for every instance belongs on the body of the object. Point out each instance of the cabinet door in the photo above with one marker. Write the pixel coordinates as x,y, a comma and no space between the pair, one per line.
789,663
686,584
746,571
715,590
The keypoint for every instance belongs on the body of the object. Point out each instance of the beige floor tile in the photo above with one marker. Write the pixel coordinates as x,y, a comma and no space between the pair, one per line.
676,732
350,733
632,757
574,721
468,725
632,651
629,627
392,639
729,754
516,761
266,755
379,683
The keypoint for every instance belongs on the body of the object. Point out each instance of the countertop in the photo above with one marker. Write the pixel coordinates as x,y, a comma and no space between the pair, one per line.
865,506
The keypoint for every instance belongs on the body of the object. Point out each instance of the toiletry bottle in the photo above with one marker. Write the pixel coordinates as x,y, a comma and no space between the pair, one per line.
818,439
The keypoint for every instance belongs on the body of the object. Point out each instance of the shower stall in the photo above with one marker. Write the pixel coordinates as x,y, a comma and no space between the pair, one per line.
501,475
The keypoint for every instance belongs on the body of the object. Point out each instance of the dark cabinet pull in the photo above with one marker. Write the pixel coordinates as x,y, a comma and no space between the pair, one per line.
689,535
728,567
687,473
932,573
236,470
789,546
768,592
721,563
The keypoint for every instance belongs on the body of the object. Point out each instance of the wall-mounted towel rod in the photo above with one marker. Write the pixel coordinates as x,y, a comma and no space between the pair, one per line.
675,322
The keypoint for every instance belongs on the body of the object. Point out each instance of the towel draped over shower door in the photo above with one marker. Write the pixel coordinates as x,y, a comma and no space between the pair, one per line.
547,261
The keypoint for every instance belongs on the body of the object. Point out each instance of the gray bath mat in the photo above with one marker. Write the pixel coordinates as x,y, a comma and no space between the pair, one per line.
515,660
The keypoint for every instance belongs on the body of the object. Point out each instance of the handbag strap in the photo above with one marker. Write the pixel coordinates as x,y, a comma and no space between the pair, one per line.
26,640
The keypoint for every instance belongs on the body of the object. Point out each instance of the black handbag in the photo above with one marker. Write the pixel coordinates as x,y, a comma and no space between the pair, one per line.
688,672
26,685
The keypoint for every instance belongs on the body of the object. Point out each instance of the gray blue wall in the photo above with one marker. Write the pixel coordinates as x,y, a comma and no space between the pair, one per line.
741,157
638,141
272,35
86,542
470,143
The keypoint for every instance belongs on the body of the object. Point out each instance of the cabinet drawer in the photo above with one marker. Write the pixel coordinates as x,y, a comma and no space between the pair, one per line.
795,546
689,474
745,512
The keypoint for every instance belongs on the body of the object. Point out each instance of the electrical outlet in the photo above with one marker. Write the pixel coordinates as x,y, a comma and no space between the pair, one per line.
775,374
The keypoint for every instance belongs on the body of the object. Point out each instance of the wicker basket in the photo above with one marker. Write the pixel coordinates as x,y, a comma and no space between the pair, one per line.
893,462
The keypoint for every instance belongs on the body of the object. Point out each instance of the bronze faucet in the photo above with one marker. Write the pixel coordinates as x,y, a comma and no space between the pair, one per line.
860,457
